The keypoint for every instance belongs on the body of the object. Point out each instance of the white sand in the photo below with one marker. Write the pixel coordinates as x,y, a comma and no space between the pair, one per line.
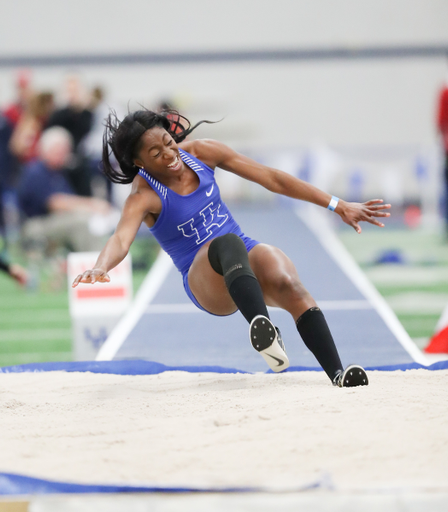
209,429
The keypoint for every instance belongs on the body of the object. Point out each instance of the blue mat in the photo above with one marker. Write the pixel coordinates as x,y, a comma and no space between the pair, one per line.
136,367
11,484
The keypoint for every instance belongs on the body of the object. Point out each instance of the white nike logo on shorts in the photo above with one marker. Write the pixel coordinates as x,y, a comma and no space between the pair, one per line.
209,193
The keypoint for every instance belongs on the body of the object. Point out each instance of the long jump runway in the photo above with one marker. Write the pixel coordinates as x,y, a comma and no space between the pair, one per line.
164,326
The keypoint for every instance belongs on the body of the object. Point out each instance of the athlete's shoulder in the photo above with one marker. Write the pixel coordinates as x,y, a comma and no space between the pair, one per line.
209,151
143,197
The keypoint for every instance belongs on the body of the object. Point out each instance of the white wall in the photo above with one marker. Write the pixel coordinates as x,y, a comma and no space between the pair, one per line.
55,26
341,103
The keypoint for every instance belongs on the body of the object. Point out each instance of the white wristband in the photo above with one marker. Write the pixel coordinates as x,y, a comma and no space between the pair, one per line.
333,203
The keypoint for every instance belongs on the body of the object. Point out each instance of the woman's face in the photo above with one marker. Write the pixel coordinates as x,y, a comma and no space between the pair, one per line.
159,154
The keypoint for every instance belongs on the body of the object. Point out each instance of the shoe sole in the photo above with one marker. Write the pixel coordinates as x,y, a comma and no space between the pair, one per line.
354,375
263,338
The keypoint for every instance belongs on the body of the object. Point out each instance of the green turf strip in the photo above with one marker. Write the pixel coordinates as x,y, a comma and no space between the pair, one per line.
34,318
44,342
418,326
23,300
13,359
412,287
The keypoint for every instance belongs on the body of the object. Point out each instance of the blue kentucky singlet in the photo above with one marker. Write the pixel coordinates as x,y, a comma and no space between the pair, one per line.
186,222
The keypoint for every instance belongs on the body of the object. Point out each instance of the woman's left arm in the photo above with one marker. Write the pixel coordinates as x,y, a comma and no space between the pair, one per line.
219,155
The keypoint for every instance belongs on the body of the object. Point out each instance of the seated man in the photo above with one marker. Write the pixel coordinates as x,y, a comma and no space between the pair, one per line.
54,214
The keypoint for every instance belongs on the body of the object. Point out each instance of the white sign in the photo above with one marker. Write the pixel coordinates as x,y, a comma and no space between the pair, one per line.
99,299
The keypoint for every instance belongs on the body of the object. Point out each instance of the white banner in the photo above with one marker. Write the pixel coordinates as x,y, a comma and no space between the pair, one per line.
99,299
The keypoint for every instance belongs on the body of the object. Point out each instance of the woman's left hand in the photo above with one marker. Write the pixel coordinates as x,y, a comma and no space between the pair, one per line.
353,213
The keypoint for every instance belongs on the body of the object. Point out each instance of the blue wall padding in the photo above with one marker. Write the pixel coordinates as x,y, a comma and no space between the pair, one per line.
11,484
137,367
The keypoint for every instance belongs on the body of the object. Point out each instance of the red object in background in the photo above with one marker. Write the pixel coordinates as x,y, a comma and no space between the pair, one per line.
412,216
23,78
438,344
176,125
100,293
14,111
442,116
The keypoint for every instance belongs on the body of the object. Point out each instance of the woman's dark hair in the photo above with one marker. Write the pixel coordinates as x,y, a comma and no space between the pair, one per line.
124,138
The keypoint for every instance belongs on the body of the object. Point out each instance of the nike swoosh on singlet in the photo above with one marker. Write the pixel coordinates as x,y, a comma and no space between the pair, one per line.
209,193
279,361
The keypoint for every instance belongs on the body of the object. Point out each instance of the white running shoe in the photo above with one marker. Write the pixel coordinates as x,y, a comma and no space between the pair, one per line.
267,340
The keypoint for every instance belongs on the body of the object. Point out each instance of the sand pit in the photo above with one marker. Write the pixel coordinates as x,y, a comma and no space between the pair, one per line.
227,430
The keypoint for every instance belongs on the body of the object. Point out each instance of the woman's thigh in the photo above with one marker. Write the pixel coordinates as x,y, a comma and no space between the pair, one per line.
279,280
208,286
275,272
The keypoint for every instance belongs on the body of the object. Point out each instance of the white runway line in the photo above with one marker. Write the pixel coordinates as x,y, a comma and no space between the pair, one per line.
147,291
158,309
344,304
189,307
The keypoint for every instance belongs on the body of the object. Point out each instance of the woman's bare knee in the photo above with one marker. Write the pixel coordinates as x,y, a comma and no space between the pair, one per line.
288,292
280,281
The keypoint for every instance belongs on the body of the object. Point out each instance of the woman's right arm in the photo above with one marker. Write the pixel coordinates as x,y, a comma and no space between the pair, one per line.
136,209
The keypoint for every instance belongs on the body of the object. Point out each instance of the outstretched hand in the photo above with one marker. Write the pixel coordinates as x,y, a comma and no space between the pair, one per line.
92,276
353,213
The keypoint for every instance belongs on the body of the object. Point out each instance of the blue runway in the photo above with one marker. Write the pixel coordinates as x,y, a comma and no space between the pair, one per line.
169,329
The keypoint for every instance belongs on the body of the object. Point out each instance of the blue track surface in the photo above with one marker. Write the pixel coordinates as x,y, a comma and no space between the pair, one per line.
173,332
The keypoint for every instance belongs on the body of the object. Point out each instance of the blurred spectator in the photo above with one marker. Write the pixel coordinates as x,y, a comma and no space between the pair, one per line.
15,271
9,165
55,215
5,153
91,145
28,128
442,124
76,117
14,111
6,167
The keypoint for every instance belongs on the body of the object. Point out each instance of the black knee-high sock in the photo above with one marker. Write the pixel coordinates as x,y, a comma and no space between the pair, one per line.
246,293
316,335
228,256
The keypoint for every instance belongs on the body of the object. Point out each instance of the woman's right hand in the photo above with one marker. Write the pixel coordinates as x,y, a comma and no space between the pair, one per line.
95,275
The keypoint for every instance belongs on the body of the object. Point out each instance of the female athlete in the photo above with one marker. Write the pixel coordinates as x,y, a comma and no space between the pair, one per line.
175,194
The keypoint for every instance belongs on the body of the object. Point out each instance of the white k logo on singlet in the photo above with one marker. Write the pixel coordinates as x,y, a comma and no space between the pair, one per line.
211,217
